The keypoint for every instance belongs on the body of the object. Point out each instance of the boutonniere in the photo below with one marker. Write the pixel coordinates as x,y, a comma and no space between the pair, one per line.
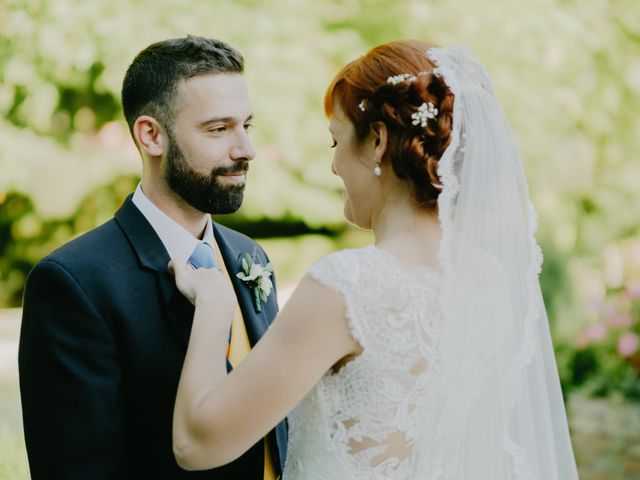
257,277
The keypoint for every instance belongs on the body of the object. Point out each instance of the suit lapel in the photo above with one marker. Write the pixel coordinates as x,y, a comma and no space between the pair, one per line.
255,323
153,256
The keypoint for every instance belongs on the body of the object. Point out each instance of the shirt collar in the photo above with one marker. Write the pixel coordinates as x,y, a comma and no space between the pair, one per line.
178,241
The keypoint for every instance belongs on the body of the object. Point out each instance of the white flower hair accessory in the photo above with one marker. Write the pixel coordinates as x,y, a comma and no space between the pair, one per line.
425,112
396,79
403,77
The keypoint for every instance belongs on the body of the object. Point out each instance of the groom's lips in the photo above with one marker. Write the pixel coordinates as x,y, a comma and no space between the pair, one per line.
237,178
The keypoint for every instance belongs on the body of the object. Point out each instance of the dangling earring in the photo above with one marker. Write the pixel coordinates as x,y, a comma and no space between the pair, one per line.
377,171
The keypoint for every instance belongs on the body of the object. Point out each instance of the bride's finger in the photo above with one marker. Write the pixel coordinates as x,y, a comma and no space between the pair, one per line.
174,267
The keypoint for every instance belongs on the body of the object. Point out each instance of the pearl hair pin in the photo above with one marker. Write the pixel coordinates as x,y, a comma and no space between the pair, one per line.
425,112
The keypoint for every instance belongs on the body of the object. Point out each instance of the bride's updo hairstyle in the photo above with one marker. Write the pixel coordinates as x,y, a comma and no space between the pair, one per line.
395,83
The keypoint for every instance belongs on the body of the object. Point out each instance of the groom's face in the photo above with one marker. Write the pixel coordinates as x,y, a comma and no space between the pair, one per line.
209,148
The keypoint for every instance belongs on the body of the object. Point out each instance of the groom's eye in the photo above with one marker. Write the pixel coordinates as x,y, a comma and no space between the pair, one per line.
218,129
248,126
335,144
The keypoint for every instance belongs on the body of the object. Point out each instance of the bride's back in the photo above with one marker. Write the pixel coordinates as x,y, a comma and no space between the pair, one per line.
361,420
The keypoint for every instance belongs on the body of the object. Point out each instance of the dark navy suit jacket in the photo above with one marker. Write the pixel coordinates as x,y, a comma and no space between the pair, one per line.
104,335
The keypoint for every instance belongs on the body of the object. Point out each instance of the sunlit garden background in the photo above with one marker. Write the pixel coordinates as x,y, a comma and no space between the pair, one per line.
566,71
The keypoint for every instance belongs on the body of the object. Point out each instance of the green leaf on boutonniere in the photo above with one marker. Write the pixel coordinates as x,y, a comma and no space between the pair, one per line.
258,278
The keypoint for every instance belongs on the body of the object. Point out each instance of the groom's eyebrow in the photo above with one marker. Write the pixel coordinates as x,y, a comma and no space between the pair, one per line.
225,120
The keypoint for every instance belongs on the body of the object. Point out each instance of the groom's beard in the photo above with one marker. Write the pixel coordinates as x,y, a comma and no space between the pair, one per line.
203,192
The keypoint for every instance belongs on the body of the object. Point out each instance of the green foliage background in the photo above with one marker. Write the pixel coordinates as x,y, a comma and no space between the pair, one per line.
567,73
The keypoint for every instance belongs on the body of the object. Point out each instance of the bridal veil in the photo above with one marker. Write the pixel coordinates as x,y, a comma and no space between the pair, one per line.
496,411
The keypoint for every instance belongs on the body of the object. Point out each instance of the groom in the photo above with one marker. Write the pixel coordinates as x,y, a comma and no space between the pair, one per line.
104,329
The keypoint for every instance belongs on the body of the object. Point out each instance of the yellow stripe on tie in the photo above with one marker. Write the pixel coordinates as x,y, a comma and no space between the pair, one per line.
239,348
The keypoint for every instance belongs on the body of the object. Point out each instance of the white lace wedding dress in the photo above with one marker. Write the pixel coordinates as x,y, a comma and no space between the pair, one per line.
361,422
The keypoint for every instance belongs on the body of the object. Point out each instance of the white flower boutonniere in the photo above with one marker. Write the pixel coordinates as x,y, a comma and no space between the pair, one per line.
258,278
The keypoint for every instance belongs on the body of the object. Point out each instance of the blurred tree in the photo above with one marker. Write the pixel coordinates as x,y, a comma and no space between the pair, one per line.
567,73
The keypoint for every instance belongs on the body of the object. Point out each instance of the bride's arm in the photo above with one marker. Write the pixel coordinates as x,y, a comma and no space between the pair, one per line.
218,416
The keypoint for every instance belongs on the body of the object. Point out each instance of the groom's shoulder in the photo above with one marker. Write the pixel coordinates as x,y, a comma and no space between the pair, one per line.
88,260
104,239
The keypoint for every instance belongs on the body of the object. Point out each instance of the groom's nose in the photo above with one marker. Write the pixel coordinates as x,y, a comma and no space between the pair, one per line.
242,148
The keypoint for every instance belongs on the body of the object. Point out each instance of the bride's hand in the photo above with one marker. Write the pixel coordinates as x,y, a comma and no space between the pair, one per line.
203,285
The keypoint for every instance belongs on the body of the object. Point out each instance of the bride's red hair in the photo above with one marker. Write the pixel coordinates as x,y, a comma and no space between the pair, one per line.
414,151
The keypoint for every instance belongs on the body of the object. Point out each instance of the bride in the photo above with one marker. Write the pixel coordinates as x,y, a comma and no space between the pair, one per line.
424,356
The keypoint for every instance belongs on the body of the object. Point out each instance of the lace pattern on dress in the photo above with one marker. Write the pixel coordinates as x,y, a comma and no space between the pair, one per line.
369,408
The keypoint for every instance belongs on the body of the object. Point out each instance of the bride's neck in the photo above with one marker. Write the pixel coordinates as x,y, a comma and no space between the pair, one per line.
408,231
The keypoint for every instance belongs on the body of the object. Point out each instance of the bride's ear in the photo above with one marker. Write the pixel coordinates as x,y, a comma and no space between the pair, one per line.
379,132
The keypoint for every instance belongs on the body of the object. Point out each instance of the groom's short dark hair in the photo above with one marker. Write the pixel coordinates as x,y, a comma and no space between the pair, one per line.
152,78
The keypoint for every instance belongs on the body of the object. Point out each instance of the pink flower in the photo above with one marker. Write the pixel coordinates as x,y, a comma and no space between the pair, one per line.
620,320
596,331
593,333
633,291
628,344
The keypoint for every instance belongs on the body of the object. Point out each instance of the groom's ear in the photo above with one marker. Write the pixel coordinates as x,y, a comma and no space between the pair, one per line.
150,135
380,137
